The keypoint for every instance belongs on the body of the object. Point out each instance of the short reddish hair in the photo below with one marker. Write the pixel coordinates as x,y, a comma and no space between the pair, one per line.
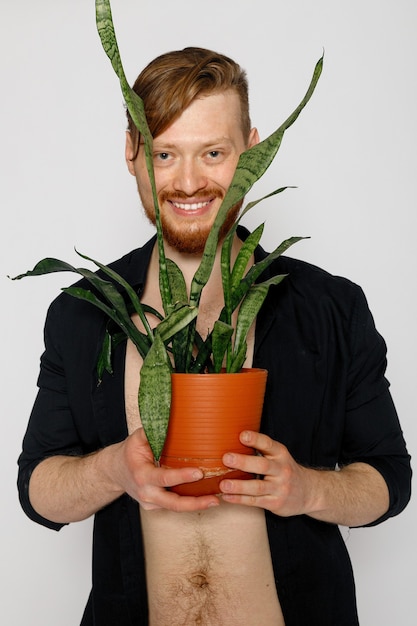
173,80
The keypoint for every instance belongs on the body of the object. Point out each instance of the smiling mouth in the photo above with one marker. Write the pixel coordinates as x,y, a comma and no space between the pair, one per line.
190,206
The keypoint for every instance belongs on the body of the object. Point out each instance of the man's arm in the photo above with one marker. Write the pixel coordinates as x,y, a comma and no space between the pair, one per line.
355,495
66,489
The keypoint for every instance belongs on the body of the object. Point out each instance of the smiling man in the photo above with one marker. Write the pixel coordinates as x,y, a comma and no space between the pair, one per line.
330,452
194,161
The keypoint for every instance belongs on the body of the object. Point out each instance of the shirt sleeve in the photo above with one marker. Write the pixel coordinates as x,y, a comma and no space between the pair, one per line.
373,433
51,429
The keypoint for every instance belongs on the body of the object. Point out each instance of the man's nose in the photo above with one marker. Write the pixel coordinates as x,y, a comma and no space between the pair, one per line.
190,177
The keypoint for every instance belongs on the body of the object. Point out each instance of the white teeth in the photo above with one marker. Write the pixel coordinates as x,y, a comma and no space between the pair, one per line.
190,207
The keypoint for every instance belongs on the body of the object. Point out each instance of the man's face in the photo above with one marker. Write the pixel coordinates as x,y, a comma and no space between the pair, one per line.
194,163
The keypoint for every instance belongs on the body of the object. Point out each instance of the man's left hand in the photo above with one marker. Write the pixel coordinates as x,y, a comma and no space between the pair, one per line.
285,488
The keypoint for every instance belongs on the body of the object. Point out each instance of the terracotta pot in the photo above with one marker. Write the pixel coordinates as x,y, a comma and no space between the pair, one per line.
208,412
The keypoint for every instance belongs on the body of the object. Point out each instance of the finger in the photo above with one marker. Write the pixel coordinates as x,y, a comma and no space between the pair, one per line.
251,463
169,477
241,492
174,502
258,441
260,502
153,493
252,488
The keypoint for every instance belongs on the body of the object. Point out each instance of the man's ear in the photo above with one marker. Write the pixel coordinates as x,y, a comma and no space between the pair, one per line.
253,137
129,153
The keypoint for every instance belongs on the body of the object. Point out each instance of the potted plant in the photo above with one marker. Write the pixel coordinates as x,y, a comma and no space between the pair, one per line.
174,346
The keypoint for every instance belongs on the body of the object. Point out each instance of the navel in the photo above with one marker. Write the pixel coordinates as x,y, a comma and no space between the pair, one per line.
199,580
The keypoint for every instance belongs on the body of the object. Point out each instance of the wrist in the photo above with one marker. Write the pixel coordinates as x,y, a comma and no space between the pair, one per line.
107,466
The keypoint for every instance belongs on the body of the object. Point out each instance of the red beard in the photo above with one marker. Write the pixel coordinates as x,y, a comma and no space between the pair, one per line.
190,236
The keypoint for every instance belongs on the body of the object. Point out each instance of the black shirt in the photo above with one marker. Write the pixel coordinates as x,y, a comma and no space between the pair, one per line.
327,400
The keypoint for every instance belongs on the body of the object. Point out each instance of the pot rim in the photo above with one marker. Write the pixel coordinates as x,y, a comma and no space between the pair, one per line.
245,370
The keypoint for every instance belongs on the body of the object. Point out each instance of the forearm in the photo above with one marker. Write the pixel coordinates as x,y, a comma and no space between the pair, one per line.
66,489
354,496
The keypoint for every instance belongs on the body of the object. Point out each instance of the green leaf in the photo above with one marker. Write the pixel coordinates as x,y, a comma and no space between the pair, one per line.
117,302
225,260
183,341
117,310
238,359
231,279
110,342
221,336
250,205
254,162
251,166
133,296
180,342
202,362
244,255
248,311
177,283
121,319
104,360
134,103
259,267
105,28
176,321
154,396
48,266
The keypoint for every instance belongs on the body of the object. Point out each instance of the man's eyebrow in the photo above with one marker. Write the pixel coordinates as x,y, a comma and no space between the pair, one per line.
206,144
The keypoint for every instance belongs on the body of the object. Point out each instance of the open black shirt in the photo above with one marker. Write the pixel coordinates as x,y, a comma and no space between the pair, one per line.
327,400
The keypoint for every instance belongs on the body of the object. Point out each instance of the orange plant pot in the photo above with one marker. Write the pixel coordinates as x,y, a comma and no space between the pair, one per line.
208,412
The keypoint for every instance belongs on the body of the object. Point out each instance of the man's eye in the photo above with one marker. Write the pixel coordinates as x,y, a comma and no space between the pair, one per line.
162,156
214,154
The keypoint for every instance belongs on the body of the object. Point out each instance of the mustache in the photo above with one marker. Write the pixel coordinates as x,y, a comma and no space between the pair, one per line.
198,195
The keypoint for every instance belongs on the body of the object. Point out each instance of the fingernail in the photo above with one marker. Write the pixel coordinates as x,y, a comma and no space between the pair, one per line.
245,436
229,458
226,485
198,475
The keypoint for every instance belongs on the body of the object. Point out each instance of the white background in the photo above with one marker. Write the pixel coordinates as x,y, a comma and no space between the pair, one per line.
352,155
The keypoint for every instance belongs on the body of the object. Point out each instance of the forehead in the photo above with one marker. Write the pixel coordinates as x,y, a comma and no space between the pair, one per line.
216,115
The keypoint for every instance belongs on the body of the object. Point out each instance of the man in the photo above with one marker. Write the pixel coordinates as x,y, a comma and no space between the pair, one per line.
331,451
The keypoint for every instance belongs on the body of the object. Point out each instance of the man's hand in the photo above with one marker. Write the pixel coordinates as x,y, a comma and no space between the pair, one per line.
354,496
138,476
284,489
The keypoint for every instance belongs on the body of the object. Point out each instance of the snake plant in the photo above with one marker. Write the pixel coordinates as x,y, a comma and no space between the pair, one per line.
175,345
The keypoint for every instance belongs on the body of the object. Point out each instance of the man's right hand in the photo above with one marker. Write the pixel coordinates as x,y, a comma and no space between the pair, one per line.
137,475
